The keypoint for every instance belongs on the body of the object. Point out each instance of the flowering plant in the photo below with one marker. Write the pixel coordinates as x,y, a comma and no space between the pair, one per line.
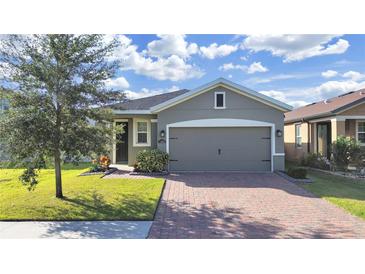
102,164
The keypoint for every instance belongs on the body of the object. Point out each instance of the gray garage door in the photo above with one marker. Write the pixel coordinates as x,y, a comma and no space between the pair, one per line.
220,149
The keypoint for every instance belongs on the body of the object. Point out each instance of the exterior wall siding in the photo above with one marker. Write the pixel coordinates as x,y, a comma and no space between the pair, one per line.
357,110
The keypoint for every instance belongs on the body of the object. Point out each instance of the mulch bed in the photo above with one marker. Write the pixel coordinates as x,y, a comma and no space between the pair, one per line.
340,173
291,179
109,171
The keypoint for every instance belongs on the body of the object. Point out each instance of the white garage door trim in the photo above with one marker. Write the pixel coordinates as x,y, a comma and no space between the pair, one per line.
224,123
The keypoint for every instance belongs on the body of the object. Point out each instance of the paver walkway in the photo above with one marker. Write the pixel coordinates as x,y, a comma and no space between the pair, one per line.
247,205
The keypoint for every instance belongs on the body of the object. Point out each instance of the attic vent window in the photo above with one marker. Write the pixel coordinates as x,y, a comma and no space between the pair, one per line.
219,100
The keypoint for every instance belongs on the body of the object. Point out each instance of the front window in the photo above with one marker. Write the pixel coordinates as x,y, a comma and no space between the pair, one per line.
298,137
142,133
361,132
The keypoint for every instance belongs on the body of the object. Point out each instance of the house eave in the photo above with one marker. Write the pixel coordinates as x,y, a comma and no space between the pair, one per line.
309,118
131,111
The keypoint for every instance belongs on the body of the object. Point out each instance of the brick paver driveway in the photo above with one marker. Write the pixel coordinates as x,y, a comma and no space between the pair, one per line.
244,205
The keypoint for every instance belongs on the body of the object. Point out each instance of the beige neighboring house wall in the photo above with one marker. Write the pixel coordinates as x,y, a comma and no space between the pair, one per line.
293,152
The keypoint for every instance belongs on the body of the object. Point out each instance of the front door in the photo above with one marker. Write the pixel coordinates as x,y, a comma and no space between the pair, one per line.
122,144
324,139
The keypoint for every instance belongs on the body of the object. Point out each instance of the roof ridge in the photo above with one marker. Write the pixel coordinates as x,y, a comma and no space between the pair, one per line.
152,96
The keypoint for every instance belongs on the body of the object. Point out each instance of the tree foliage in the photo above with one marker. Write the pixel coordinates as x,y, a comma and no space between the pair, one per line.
56,87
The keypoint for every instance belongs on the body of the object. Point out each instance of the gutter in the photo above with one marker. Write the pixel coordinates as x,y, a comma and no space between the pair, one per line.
131,111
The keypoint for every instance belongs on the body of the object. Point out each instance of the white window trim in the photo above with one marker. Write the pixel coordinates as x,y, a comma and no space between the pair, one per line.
215,99
295,136
357,132
135,139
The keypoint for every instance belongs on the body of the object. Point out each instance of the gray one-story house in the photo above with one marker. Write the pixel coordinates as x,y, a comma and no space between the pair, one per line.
220,126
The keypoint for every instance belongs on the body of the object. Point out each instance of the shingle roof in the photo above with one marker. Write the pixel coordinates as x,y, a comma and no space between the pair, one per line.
326,107
148,102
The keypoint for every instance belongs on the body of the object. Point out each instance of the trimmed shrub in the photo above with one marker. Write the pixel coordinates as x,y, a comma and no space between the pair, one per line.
317,161
151,161
297,172
345,150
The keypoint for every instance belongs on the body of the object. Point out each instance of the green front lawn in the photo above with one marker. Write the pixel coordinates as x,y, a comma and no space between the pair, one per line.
344,192
86,198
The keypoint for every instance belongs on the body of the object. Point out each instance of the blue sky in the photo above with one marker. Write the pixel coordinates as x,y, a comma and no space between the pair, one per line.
297,69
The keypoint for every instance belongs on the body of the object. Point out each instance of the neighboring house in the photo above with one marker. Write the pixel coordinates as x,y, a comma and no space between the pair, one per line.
314,127
220,126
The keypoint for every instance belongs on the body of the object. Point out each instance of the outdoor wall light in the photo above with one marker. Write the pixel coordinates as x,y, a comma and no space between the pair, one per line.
162,134
279,133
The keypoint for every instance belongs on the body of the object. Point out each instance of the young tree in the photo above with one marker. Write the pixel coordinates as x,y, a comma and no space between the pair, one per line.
56,86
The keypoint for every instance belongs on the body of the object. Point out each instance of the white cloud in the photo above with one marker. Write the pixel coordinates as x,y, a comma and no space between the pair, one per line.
278,77
299,97
118,83
256,67
171,45
298,103
354,75
145,92
278,95
230,76
173,67
230,66
296,47
329,73
334,88
214,50
282,96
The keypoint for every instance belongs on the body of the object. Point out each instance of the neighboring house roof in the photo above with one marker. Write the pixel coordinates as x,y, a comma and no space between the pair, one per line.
158,103
327,107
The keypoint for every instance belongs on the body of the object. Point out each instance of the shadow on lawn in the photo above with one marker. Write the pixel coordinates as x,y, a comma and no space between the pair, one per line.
326,185
93,207
129,209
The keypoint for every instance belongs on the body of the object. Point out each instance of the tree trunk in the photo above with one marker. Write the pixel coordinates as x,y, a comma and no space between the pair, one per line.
57,164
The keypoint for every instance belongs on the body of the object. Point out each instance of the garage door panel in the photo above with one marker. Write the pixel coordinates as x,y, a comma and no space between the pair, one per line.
245,149
194,165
